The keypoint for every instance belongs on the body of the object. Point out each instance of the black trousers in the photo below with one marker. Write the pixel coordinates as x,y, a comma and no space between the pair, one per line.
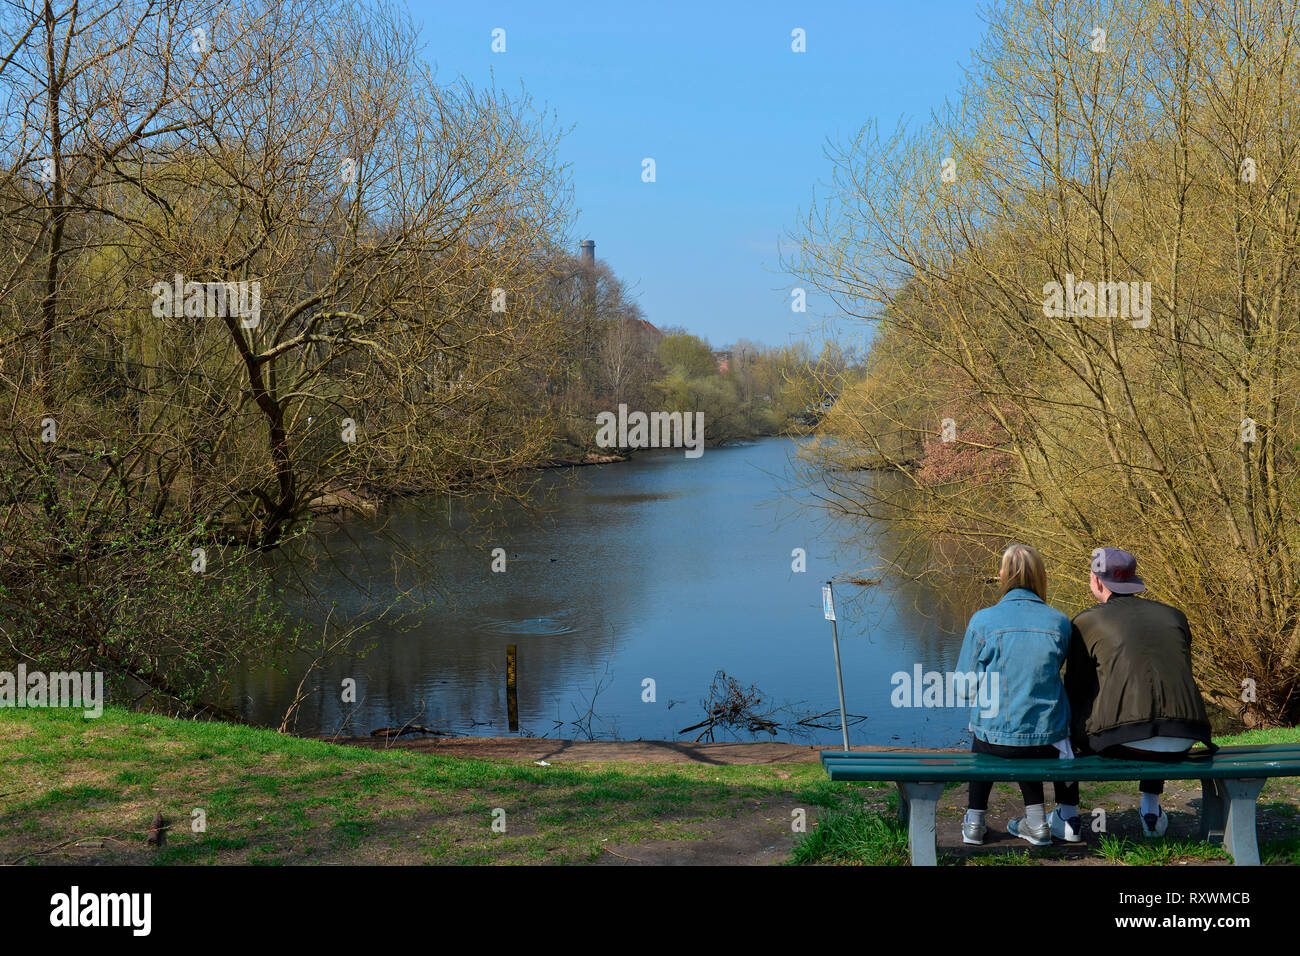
1067,792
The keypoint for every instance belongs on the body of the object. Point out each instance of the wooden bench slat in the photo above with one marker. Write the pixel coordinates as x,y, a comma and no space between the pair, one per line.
1272,752
1035,766
1113,770
982,767
1243,760
1272,761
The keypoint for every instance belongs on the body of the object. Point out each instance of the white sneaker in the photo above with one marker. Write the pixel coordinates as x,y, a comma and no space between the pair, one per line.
1068,830
1154,825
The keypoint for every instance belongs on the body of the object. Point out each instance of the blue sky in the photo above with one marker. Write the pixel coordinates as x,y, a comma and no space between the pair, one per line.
735,121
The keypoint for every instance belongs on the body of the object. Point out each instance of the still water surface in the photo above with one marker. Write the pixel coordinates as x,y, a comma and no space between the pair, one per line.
662,567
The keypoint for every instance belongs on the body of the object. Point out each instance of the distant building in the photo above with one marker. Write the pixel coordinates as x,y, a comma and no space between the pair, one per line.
642,332
723,358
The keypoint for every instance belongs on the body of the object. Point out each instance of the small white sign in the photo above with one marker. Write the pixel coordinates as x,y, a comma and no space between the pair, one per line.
828,603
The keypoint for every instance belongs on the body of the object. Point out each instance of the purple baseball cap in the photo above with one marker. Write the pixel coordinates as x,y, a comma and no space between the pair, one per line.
1117,569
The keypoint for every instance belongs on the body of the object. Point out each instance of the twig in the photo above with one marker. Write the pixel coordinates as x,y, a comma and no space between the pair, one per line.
77,842
347,720
622,857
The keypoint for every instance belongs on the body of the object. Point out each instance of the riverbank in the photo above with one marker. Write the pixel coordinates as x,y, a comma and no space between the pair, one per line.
601,751
339,502
80,791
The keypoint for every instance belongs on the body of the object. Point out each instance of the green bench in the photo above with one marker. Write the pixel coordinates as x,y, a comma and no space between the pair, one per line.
1230,783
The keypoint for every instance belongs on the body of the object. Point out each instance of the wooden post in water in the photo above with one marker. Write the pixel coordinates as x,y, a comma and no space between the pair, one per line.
512,690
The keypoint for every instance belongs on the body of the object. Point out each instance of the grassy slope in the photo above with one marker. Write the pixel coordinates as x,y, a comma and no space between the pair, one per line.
274,799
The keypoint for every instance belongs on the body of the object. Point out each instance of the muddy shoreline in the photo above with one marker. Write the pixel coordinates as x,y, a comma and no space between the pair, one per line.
597,751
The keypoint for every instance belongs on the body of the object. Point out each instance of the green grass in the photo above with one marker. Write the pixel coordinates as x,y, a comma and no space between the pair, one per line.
855,836
1276,735
1280,851
270,798
1160,852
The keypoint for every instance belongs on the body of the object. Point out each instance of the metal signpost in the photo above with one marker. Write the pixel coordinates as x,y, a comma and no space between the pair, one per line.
828,609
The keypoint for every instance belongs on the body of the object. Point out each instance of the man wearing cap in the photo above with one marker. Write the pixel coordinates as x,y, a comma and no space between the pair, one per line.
1128,675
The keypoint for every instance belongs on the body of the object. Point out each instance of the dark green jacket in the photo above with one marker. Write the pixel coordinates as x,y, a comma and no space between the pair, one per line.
1128,674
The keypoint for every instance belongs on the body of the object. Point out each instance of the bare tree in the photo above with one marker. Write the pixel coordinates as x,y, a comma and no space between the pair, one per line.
259,261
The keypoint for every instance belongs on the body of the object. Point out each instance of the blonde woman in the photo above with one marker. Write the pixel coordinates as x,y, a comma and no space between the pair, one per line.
1017,647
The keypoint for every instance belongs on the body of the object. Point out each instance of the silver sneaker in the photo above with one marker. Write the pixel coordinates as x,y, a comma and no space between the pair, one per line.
973,833
1038,836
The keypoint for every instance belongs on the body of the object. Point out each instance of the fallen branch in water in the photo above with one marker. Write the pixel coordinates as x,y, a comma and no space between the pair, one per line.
813,721
409,729
730,706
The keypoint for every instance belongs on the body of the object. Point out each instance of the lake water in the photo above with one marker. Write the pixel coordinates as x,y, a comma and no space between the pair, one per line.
661,568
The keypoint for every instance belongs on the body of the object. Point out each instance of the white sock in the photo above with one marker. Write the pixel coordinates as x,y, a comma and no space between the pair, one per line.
975,816
1066,812
1036,815
1150,804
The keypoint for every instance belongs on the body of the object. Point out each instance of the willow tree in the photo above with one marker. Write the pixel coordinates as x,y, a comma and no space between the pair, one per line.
1081,277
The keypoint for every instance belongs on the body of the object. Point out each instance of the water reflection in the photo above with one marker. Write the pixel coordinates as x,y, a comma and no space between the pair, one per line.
661,569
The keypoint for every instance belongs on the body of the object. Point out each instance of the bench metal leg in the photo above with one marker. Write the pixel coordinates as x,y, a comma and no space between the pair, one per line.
902,804
1214,811
1239,828
920,799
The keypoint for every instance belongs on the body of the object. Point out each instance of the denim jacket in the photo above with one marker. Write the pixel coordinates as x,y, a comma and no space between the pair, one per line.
1024,641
